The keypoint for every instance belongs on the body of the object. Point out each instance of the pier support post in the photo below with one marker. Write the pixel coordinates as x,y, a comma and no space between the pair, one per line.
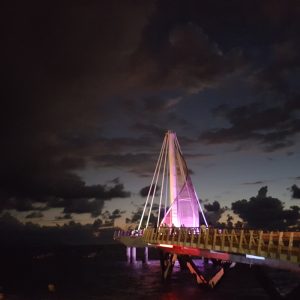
145,255
128,254
182,262
167,261
133,255
210,278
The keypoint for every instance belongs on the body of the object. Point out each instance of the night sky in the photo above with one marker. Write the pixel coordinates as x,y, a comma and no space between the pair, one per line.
89,89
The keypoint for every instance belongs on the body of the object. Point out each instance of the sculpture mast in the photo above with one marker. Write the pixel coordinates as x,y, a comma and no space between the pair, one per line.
172,178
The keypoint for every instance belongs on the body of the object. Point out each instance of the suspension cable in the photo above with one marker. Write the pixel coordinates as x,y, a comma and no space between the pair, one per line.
149,192
169,209
155,186
201,210
162,187
167,191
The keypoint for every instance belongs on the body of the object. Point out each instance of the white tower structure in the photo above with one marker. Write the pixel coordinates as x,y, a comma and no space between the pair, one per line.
177,196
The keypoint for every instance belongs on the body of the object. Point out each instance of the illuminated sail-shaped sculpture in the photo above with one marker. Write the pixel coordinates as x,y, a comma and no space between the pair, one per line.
178,202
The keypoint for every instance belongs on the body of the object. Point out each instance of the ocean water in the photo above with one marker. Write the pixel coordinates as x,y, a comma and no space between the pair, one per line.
94,273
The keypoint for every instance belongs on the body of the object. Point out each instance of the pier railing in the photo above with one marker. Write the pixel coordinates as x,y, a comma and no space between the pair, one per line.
269,244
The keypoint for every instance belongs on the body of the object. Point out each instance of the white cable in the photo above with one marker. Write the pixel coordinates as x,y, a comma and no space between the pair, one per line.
206,224
162,187
155,186
146,203
162,221
167,190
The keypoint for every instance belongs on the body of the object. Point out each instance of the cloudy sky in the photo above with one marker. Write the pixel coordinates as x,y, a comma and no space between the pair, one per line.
90,87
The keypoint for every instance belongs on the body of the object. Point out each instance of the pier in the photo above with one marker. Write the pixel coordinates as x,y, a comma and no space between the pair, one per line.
181,231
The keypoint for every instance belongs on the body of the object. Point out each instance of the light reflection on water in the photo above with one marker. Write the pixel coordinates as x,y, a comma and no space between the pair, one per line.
104,278
143,282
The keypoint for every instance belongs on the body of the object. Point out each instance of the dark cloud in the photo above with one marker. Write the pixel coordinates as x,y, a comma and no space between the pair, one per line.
16,233
80,206
92,206
254,182
51,116
272,121
290,153
136,216
274,126
108,218
97,223
140,163
64,217
116,214
191,172
284,59
97,84
157,104
155,207
295,191
150,128
265,212
215,206
34,214
20,204
182,47
183,57
115,180
213,213
67,191
155,115
145,191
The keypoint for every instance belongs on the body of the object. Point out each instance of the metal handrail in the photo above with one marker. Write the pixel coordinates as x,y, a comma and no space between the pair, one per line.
270,244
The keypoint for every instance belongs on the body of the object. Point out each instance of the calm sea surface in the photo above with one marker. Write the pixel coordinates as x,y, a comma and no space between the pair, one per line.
102,273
